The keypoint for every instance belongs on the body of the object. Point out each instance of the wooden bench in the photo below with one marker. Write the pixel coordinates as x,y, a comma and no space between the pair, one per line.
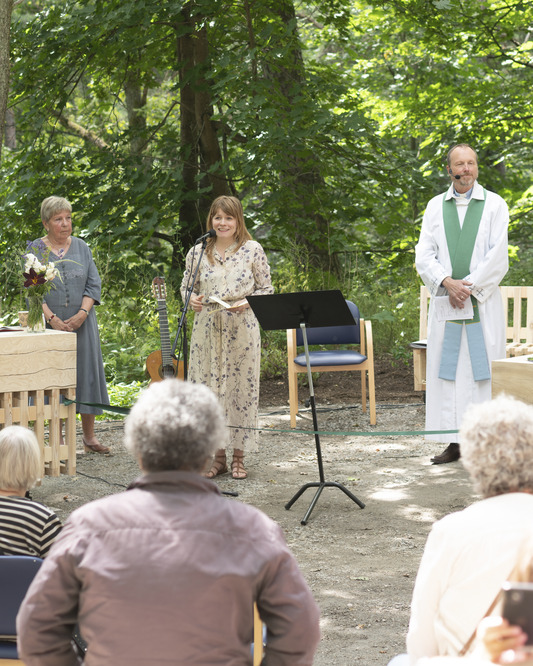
517,302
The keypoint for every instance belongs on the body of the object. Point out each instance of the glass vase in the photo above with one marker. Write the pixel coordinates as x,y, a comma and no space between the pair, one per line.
36,323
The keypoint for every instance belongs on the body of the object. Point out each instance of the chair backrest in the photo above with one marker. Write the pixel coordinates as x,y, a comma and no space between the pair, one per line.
16,574
333,335
518,305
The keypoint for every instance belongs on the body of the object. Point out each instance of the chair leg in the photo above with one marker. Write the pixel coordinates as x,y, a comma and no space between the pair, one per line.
372,395
293,396
363,390
258,638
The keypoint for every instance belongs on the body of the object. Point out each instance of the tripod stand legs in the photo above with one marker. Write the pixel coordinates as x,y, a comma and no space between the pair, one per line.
320,485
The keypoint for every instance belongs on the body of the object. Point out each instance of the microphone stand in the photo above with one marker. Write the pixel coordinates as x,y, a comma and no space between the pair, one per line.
182,326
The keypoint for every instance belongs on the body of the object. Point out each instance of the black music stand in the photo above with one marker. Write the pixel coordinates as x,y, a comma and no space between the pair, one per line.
304,310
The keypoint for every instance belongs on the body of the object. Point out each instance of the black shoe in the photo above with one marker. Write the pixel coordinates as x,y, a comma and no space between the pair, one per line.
450,454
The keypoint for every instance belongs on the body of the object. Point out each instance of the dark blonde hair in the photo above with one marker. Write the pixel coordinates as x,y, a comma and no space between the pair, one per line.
230,206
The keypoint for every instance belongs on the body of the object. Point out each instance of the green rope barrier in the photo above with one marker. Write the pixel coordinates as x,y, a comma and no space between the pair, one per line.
293,431
107,408
358,433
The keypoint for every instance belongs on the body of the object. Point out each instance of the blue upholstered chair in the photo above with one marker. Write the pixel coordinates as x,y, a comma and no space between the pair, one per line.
16,574
360,359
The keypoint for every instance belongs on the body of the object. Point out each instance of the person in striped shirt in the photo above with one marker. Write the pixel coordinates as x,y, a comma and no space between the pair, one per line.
26,527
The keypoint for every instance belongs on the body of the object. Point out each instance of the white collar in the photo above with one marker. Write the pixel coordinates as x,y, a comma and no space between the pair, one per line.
476,192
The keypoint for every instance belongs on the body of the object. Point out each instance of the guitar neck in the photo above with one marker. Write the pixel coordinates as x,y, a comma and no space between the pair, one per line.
166,358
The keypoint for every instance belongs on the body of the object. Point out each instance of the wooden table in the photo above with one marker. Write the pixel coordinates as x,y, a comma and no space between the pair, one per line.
513,376
36,370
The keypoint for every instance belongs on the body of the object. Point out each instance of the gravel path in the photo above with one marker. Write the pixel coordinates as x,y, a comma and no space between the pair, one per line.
360,563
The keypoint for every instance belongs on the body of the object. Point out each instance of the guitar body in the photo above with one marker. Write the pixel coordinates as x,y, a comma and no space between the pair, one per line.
156,370
160,364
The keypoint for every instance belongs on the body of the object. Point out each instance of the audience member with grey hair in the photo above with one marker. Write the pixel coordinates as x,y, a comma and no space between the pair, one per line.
469,554
499,451
168,572
173,427
26,527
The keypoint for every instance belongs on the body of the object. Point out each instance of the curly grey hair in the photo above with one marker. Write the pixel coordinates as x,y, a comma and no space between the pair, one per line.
497,446
174,425
53,205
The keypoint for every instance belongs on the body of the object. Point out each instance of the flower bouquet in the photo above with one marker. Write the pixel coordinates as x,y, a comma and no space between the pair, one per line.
38,275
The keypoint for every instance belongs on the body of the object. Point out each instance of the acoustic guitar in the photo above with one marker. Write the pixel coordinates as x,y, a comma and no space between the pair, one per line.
160,364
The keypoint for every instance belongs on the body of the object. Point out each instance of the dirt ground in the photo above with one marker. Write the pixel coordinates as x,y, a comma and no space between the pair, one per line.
360,563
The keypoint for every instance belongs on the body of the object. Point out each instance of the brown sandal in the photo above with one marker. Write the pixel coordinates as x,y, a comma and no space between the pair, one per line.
95,448
218,466
237,467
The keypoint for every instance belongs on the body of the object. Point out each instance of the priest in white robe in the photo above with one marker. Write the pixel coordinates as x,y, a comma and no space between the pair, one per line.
463,261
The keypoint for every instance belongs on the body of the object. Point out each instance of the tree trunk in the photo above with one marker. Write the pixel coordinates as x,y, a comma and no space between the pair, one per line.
6,7
300,172
210,152
11,130
189,218
135,102
199,147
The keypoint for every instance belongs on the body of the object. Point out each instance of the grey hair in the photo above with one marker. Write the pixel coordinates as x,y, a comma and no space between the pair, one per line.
20,458
53,205
174,425
459,145
497,446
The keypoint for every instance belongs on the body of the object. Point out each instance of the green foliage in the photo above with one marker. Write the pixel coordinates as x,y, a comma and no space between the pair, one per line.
386,290
273,354
294,270
129,326
331,121
121,395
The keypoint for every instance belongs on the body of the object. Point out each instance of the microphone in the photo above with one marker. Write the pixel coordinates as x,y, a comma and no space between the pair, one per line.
454,176
210,234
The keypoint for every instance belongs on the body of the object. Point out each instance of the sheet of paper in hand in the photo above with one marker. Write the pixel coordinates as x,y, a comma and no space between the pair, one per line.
445,311
218,300
225,306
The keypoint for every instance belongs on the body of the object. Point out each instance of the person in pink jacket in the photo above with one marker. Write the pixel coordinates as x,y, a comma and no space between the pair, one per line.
168,571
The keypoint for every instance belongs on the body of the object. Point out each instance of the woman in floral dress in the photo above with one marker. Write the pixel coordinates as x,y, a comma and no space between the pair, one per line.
225,342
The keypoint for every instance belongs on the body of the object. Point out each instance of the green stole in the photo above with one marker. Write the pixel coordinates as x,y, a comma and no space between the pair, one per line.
461,243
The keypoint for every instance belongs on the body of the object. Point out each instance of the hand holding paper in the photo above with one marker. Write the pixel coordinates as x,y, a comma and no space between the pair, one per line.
446,312
227,306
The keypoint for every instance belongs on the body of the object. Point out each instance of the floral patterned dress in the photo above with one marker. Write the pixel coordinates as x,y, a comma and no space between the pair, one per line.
226,346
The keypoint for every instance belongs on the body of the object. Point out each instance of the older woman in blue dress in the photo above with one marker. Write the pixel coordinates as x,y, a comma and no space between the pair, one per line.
69,306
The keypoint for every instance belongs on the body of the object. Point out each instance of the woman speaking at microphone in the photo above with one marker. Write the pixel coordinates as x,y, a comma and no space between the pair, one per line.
225,341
